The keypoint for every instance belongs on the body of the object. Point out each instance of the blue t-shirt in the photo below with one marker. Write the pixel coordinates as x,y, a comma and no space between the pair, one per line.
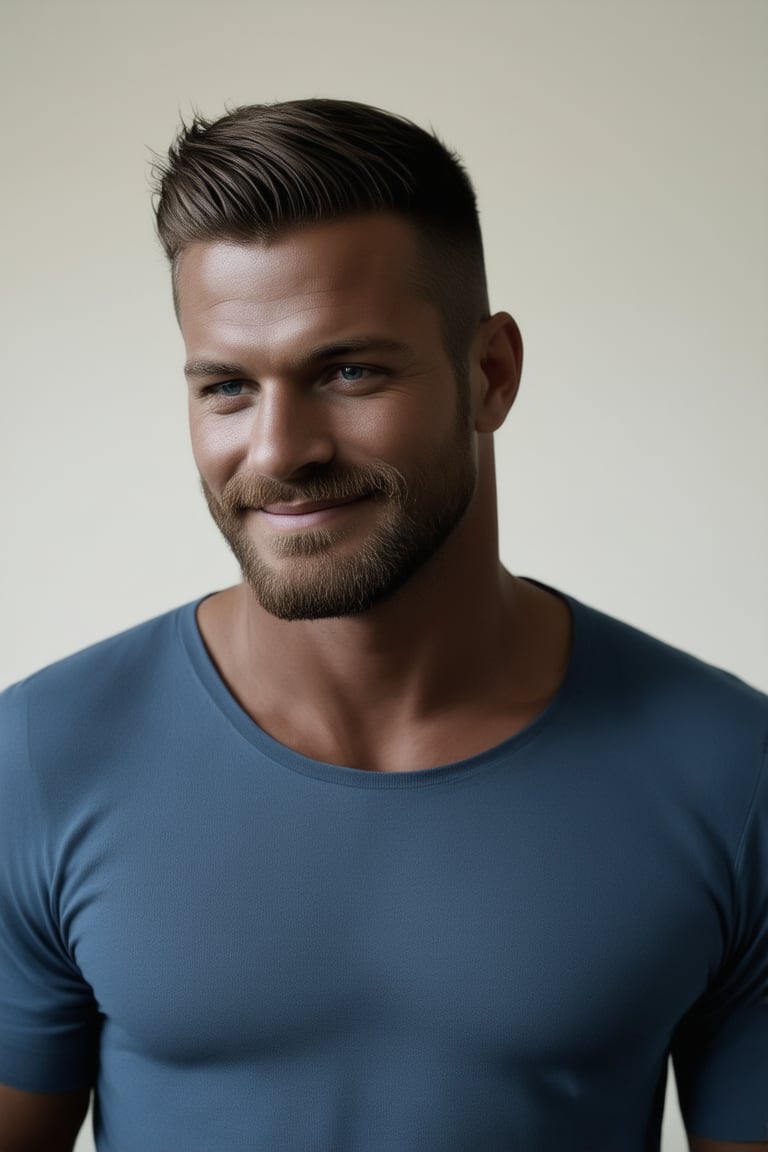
245,949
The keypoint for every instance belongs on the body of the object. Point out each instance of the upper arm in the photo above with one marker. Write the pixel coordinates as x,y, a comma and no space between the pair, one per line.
720,1049
40,1121
49,1023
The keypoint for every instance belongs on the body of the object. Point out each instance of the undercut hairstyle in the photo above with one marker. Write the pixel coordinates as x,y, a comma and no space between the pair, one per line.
265,169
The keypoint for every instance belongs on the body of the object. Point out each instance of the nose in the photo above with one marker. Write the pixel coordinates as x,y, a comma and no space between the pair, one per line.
290,433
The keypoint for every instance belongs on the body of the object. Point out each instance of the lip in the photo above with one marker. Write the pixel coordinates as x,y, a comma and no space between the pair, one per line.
308,514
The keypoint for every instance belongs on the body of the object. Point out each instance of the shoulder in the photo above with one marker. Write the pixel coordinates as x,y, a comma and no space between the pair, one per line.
59,712
99,666
676,730
657,680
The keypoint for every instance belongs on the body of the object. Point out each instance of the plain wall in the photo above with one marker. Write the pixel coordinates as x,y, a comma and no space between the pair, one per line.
619,153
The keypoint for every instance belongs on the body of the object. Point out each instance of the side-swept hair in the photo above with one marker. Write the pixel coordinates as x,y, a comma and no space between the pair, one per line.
265,168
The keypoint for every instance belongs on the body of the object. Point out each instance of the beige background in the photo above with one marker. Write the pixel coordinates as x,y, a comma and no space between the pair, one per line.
619,151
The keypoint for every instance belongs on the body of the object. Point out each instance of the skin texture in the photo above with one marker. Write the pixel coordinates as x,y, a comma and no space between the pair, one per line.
33,1122
316,579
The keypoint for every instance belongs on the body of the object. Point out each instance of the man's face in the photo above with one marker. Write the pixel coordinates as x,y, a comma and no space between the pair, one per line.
330,433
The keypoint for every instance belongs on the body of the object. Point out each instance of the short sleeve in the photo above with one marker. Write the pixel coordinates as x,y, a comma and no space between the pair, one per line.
48,1021
720,1053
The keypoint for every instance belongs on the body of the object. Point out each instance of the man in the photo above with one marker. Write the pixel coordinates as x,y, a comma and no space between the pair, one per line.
383,848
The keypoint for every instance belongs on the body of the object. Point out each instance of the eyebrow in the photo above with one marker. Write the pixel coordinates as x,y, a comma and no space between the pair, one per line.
202,369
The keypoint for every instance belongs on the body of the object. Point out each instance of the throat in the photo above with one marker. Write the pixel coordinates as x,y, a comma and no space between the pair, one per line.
372,714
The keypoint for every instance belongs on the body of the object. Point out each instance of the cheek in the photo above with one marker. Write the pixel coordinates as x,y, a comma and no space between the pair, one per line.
218,447
406,428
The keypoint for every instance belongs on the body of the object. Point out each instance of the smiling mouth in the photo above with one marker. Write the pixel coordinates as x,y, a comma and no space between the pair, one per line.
306,514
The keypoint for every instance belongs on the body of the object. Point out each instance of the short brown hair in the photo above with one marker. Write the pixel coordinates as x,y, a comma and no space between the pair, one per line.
265,168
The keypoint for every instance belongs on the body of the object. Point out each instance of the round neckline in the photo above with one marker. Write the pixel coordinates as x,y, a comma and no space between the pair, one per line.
215,687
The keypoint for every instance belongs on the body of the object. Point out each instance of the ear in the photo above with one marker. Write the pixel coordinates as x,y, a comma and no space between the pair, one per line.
497,363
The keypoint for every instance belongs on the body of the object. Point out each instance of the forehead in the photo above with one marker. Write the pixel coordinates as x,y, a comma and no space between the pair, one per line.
322,276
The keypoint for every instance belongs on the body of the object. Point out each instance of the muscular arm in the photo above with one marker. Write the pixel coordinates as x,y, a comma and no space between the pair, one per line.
40,1122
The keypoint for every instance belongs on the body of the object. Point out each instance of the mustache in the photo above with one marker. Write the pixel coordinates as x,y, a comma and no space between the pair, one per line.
375,481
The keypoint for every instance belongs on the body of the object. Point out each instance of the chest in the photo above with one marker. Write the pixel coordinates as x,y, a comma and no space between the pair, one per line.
515,924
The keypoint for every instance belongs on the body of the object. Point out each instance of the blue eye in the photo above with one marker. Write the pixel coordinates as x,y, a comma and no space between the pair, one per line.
230,387
352,373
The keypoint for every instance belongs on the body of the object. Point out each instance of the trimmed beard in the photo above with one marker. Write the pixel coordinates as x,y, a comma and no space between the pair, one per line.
314,581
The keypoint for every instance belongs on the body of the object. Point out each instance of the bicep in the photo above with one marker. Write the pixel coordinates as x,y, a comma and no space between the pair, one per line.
41,1121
